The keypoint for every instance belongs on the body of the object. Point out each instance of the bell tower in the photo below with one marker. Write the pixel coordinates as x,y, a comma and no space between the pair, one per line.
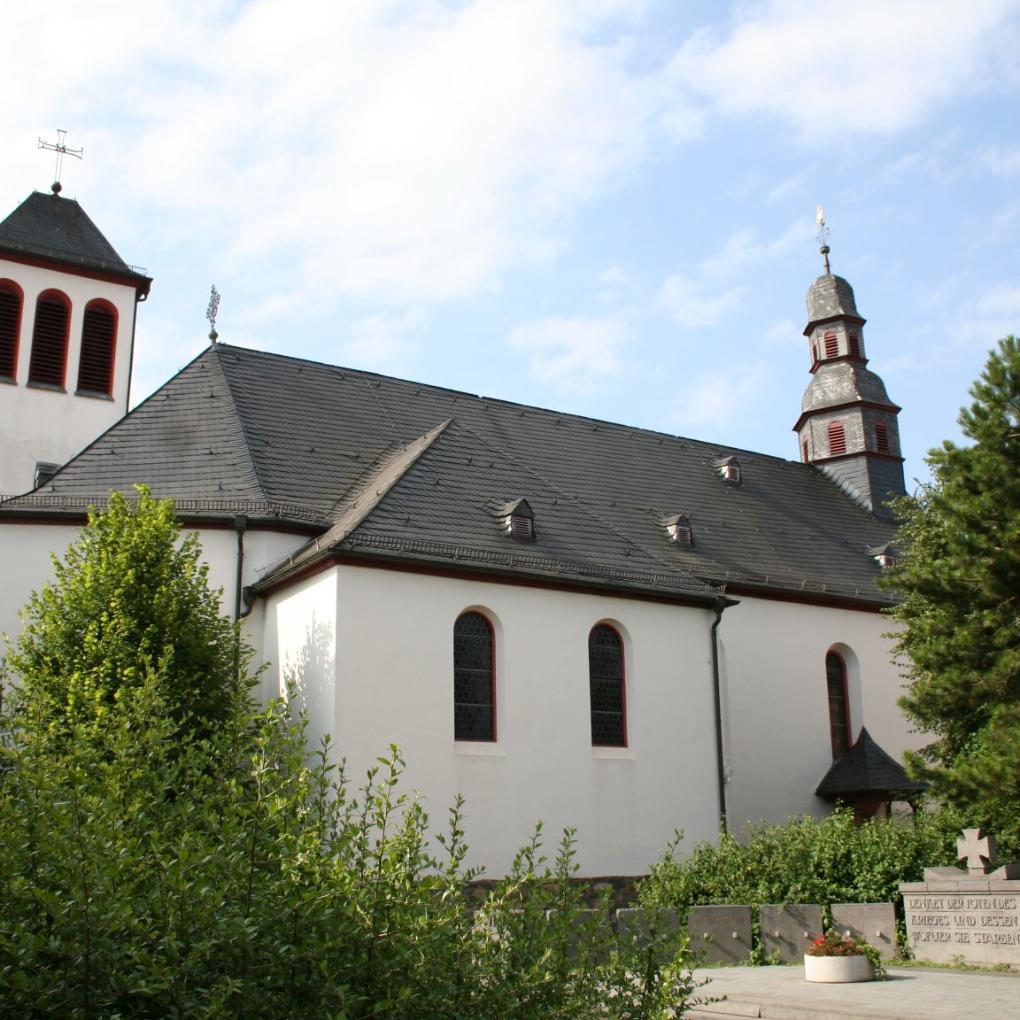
67,325
848,425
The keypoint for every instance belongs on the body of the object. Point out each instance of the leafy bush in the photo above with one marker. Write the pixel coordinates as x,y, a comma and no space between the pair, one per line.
170,849
807,860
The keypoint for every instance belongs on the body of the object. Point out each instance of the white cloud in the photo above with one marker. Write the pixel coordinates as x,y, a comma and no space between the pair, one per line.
394,150
834,70
690,303
785,333
579,353
382,344
999,160
718,396
991,315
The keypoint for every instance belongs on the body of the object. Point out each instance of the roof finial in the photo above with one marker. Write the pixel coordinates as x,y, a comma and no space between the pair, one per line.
210,314
61,149
823,236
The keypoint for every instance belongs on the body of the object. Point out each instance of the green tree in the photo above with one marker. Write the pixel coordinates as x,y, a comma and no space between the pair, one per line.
130,597
959,584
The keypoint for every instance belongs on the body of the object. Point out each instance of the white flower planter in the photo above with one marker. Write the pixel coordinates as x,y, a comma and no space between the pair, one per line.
838,969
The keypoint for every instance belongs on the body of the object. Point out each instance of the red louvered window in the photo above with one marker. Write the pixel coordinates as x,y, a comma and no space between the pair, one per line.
49,339
10,326
606,681
837,438
881,437
474,678
804,451
831,344
839,704
855,345
98,343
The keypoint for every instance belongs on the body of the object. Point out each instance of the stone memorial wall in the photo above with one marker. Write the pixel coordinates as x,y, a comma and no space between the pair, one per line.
973,915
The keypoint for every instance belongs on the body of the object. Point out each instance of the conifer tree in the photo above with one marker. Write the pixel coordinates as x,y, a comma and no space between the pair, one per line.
130,598
960,608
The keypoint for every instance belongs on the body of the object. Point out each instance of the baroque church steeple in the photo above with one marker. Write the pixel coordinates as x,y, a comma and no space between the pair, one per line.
848,425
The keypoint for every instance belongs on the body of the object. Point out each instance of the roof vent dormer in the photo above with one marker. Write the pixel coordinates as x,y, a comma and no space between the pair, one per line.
885,555
729,470
519,520
679,529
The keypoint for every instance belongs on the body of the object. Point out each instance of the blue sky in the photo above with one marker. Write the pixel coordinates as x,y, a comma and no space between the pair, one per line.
605,206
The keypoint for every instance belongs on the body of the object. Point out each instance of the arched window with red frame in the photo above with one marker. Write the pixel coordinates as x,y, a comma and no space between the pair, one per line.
98,346
839,704
11,301
48,360
607,684
837,438
474,678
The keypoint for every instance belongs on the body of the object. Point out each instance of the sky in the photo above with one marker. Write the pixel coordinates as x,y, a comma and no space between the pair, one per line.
605,207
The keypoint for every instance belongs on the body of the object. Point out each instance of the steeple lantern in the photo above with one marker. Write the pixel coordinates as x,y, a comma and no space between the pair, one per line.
848,425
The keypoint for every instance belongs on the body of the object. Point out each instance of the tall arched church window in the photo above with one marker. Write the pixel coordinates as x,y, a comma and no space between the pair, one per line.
47,362
474,679
10,326
837,438
98,344
606,682
839,704
881,437
831,344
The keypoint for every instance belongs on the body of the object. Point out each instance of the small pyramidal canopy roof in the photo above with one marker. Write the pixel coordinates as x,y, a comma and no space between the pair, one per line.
830,297
60,231
866,768
518,508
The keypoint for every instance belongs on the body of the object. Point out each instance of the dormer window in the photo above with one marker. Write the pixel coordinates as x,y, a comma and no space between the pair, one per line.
679,529
729,470
519,520
885,555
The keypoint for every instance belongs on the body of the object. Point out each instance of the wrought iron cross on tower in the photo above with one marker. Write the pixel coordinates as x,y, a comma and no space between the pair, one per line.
61,149
823,236
212,311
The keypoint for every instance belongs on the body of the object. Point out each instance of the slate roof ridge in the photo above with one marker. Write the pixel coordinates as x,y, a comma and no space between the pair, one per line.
215,353
385,472
711,448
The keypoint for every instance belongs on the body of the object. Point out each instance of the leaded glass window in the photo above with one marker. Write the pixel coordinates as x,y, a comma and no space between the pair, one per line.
839,709
605,675
474,710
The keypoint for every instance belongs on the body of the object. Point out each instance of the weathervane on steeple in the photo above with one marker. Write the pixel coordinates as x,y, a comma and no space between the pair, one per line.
823,236
211,311
61,149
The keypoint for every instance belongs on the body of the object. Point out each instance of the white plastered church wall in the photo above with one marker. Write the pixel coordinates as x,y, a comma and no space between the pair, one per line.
393,649
46,425
778,739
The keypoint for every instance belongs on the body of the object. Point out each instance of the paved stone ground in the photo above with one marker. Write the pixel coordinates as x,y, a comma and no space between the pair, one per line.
781,993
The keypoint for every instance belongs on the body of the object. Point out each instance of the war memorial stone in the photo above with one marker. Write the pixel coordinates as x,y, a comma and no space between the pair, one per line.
971,914
875,923
787,930
720,934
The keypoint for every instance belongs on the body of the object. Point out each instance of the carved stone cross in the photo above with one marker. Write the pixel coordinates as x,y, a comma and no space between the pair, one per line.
979,849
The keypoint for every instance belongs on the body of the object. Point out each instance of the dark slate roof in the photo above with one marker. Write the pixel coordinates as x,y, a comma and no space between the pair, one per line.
866,768
829,297
58,229
383,467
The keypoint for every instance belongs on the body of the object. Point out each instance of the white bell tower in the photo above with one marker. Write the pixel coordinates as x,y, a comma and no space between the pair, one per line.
67,324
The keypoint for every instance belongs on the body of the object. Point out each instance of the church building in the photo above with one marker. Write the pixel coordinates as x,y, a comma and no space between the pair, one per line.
561,618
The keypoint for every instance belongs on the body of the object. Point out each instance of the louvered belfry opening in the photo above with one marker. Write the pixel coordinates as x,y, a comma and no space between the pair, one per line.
605,673
474,716
881,437
98,337
10,323
837,438
49,340
831,344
